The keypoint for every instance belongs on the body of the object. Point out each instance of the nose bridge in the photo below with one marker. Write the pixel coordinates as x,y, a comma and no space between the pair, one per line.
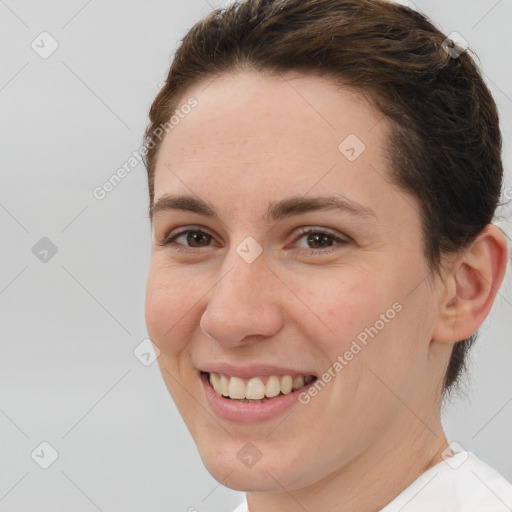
243,302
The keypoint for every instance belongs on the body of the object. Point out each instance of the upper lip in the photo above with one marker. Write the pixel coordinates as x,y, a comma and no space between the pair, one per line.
252,370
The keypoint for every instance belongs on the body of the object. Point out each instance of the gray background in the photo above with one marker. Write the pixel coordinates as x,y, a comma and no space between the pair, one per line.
68,375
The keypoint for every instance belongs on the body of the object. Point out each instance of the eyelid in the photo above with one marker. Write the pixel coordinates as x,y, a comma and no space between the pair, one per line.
338,238
315,229
183,230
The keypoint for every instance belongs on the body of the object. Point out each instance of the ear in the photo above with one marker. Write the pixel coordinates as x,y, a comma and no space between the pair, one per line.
471,286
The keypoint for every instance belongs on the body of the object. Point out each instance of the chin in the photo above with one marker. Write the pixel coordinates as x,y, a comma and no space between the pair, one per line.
238,478
263,475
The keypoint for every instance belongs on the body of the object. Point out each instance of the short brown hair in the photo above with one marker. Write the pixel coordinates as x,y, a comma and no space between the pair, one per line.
445,143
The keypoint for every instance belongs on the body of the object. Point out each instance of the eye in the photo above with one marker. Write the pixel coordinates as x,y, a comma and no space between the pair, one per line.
196,237
193,240
319,237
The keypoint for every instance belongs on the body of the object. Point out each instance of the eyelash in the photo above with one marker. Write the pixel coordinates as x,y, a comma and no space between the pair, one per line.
302,232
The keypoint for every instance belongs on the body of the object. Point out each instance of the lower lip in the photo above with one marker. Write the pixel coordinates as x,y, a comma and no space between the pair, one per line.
249,412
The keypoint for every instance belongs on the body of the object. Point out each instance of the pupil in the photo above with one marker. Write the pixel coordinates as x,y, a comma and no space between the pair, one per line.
318,238
194,235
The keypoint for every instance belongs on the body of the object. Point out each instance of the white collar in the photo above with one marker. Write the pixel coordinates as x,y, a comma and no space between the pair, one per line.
461,483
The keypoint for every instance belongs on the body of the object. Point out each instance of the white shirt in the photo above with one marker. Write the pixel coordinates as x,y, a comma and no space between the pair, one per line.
461,483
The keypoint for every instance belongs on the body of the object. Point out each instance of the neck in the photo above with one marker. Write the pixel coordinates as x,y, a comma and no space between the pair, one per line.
373,478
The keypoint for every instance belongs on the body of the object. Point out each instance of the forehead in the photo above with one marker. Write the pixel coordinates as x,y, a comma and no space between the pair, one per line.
273,136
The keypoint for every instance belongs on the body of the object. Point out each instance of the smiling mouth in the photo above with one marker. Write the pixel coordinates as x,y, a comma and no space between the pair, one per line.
256,389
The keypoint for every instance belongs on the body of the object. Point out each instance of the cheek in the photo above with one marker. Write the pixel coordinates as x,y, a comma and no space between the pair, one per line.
170,319
365,335
344,304
169,308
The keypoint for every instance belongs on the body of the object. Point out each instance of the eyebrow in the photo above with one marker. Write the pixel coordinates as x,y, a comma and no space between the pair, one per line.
277,210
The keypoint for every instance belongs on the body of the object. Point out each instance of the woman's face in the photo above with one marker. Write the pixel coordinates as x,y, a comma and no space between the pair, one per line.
260,286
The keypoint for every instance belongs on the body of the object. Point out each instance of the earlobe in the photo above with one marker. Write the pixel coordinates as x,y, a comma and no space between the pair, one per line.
471,286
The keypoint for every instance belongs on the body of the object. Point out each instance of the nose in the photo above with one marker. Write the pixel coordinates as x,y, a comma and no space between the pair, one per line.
244,306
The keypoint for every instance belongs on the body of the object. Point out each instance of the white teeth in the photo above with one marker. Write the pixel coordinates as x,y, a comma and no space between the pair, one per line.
298,382
273,387
286,384
236,388
255,389
215,381
224,385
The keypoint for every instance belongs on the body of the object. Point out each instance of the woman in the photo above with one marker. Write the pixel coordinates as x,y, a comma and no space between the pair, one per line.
323,177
